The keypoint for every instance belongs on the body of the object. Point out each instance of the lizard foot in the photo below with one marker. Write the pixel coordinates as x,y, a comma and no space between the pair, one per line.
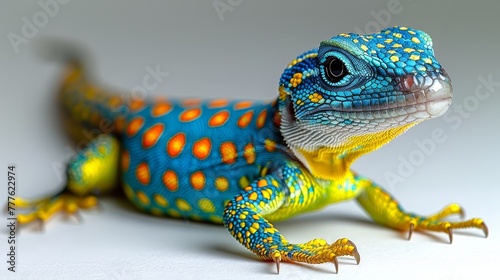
435,222
43,209
314,252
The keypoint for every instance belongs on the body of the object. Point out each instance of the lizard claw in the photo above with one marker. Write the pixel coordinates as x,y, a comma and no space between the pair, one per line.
485,230
356,256
450,234
336,264
410,232
277,260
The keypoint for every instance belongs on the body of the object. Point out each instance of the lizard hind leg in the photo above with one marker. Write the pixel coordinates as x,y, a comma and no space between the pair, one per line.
92,171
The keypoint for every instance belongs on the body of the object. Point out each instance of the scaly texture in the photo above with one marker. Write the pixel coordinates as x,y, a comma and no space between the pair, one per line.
244,163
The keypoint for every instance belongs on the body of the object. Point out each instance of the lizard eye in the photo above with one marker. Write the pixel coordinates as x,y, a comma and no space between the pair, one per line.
335,69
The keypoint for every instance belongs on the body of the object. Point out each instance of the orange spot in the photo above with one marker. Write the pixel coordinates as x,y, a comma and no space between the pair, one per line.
270,145
170,180
243,105
176,144
137,104
190,114
134,126
249,153
151,135
219,118
115,102
161,108
228,152
245,119
119,124
197,180
217,103
142,173
125,160
191,102
202,148
239,198
262,183
261,119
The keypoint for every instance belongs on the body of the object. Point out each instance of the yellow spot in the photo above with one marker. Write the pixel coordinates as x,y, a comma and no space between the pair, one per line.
397,45
315,97
221,184
156,212
364,47
412,32
397,35
296,79
267,194
415,40
380,46
128,192
143,198
253,196
355,41
160,200
249,153
270,145
408,50
345,35
254,227
403,28
427,60
299,102
388,41
414,57
206,205
173,213
391,51
183,205
394,58
244,181
215,219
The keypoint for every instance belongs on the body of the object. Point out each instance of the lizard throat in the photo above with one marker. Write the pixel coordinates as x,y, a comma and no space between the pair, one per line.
327,153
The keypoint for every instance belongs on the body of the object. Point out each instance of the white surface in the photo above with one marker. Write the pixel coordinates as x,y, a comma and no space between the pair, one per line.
243,56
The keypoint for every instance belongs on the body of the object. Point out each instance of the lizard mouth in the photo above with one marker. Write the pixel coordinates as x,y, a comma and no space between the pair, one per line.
420,97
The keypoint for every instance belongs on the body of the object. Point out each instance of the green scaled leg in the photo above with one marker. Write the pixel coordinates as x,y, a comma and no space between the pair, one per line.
92,171
385,210
244,218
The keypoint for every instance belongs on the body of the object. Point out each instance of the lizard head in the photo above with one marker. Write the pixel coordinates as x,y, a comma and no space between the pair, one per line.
355,93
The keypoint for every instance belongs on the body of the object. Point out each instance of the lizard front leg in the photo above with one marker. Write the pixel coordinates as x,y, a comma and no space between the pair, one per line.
385,210
244,218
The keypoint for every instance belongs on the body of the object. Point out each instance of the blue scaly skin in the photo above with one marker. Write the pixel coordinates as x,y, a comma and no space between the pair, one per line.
245,164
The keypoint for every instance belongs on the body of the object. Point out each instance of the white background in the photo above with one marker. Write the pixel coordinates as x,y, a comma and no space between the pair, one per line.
241,53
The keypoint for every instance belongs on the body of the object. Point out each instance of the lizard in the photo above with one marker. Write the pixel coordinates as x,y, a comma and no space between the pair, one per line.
244,163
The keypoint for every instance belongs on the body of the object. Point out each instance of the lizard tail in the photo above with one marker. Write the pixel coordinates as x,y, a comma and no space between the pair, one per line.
88,110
